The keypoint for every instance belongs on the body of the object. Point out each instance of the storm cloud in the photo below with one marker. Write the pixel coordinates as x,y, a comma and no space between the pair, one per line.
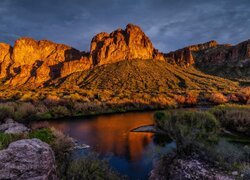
170,24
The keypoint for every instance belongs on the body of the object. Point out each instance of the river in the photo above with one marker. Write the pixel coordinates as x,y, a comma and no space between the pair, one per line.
129,153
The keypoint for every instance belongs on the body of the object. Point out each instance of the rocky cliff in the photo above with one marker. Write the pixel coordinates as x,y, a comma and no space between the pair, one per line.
130,43
218,59
37,62
185,56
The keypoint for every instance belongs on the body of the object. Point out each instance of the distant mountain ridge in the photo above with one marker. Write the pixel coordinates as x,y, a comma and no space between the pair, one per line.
41,63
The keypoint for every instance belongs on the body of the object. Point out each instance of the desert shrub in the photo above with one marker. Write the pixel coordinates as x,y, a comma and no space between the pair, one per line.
90,167
228,155
27,97
5,112
52,100
24,112
233,117
44,135
189,129
59,111
244,94
191,98
180,99
160,118
218,98
62,146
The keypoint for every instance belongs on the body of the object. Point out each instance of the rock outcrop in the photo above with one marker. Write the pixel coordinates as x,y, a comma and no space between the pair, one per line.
27,159
12,127
185,56
127,44
218,59
37,62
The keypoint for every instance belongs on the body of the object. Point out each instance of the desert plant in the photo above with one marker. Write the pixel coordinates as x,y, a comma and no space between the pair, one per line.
218,98
90,167
24,112
5,112
189,129
59,111
233,117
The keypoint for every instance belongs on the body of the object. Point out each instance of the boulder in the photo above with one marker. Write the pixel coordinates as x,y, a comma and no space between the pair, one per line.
27,159
11,127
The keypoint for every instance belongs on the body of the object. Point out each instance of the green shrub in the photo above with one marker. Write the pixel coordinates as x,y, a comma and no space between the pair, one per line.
233,117
90,167
190,129
44,135
6,139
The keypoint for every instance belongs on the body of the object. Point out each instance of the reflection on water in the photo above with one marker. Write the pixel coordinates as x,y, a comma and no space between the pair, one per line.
128,152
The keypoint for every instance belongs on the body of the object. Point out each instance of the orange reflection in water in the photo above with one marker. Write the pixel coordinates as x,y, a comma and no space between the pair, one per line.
111,133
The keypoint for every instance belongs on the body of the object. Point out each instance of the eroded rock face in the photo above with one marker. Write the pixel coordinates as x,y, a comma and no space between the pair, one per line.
185,56
127,44
37,62
27,159
5,59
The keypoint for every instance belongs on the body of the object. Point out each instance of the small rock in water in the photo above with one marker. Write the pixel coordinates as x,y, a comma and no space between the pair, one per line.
235,173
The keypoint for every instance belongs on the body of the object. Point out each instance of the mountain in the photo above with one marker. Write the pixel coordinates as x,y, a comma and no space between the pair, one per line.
120,59
223,60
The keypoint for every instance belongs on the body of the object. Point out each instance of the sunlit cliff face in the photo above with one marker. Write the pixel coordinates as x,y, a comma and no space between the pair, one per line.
111,134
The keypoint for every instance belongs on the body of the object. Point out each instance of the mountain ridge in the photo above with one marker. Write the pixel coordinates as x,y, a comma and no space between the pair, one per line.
40,63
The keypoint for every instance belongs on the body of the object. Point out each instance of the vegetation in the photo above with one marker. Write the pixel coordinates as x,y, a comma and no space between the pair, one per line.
189,129
91,167
118,87
198,133
233,117
6,139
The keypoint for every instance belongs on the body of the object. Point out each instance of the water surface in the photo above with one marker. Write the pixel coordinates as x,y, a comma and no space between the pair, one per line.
130,153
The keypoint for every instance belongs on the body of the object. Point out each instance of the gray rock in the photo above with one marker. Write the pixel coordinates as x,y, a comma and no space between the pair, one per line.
28,159
12,127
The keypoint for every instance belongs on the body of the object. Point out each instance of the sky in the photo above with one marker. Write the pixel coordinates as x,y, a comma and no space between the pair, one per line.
170,24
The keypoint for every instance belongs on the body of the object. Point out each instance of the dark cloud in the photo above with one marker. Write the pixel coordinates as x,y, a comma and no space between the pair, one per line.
171,24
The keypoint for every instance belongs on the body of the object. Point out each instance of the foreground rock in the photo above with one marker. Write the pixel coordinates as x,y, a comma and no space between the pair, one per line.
27,159
188,168
12,127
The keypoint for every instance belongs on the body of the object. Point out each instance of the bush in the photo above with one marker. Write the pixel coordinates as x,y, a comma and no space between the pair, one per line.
90,167
244,94
189,129
160,118
61,145
218,98
5,112
59,111
233,117
44,135
25,111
